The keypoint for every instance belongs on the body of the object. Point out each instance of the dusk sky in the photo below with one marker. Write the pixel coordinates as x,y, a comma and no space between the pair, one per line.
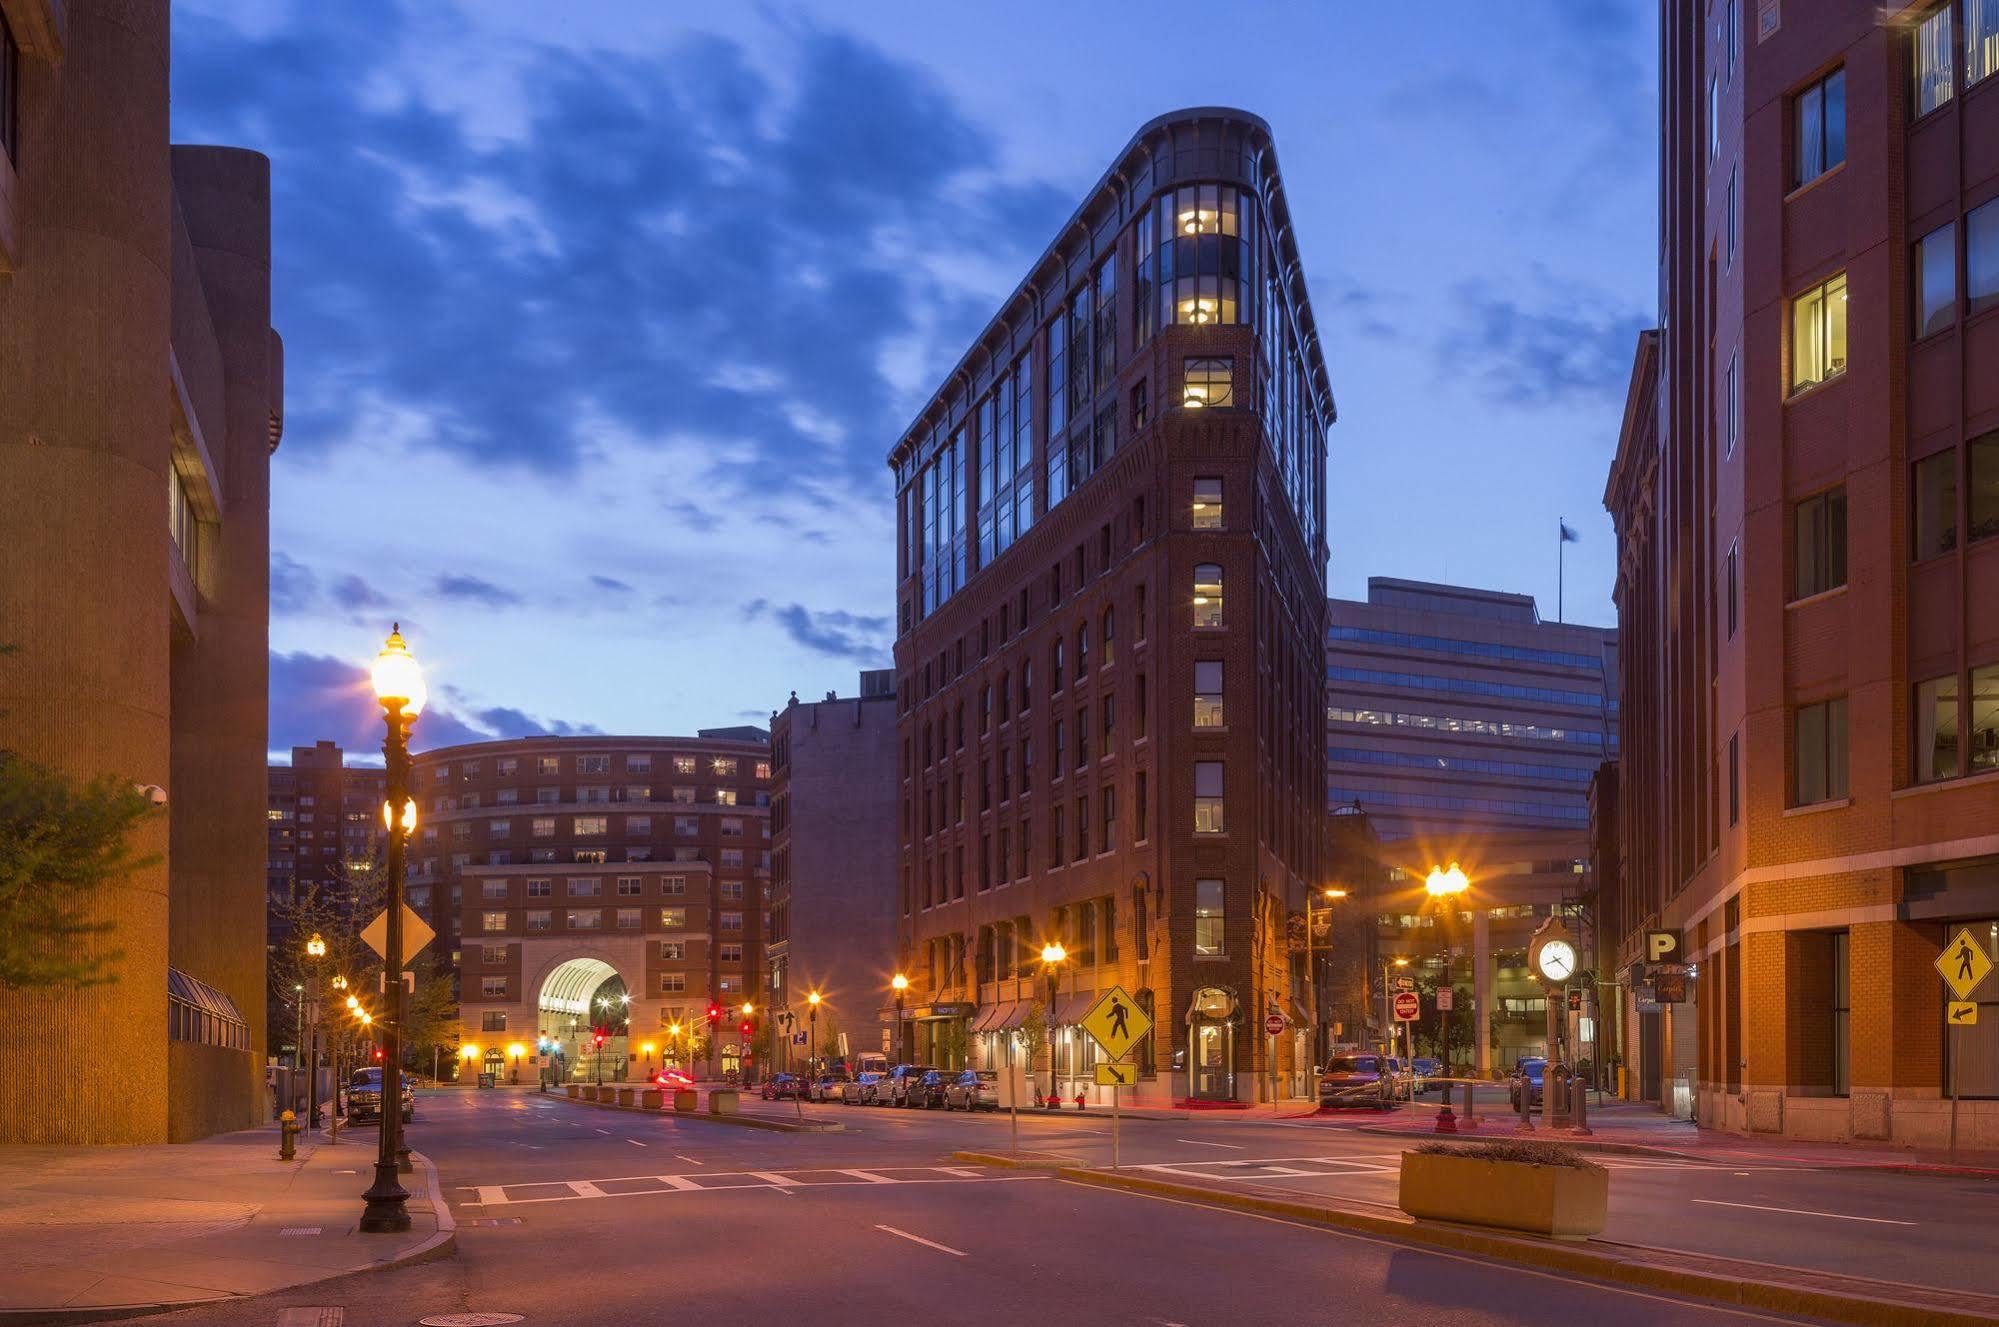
598,331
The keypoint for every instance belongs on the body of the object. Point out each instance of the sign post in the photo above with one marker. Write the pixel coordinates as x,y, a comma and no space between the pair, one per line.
1963,964
1116,1023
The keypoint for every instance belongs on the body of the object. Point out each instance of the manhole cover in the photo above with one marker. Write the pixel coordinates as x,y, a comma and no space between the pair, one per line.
469,1319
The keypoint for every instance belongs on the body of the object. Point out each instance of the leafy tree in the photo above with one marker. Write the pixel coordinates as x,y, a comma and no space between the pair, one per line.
1034,1037
953,1041
829,1040
62,843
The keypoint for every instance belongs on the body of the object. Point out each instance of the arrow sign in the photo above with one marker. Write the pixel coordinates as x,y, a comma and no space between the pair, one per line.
1116,1075
1963,1013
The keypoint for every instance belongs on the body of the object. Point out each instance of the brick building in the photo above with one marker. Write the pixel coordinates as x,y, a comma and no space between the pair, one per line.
1807,497
141,396
597,882
323,820
833,853
1111,617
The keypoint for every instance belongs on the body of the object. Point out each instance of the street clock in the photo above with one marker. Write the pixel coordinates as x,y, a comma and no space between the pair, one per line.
1551,954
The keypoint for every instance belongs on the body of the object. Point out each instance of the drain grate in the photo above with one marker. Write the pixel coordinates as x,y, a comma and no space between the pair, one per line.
293,1232
332,1317
492,1221
469,1319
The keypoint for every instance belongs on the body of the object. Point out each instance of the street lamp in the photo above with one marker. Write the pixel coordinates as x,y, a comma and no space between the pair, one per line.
399,687
1332,894
901,984
812,1033
1445,884
315,949
1052,955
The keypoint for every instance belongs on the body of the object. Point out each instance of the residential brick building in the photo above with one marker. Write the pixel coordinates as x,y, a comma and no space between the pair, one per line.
141,397
323,820
1111,617
1807,497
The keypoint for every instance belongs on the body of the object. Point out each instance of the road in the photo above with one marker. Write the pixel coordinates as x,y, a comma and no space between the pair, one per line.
578,1216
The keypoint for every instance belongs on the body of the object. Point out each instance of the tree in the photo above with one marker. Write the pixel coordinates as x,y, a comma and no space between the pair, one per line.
62,843
1033,1037
953,1041
829,1039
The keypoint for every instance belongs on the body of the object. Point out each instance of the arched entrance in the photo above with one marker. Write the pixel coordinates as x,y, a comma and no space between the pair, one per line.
579,999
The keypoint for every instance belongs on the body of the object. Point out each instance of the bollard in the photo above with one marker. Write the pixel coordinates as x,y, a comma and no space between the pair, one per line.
1579,1107
1470,1120
1526,1124
287,1136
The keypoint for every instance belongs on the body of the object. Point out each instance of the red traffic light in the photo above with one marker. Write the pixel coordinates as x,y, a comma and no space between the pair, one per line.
600,1038
746,1027
378,1052
714,1012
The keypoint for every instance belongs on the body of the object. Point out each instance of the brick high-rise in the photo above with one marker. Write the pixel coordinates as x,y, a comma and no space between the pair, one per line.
1807,502
1111,613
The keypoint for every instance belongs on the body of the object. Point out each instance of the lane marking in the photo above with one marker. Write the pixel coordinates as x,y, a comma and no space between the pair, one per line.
689,1160
746,1188
869,1176
960,1172
635,1142
585,1189
1801,1211
927,1243
605,1132
1195,1142
774,1179
676,1182
491,1193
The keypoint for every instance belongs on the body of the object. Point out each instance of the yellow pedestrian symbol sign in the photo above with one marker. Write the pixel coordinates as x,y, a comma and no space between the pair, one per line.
1117,1023
1963,963
1961,1014
1116,1075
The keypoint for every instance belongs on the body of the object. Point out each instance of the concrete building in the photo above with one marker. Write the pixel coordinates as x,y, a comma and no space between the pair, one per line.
833,854
586,883
1806,494
1110,630
1468,730
141,393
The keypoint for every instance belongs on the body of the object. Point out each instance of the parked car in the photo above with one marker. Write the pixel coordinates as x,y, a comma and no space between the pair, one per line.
895,1089
827,1087
1359,1080
974,1089
783,1087
928,1091
1527,1074
1425,1071
364,1097
861,1092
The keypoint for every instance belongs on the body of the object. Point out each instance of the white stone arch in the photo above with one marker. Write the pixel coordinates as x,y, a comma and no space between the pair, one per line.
574,971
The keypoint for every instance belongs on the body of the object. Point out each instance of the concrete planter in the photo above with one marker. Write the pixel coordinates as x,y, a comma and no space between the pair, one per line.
575,1090
650,1098
591,1091
628,1096
724,1102
686,1099
1562,1202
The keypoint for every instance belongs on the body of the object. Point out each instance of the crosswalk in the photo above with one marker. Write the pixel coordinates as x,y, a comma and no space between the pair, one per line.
1361,1166
488,1197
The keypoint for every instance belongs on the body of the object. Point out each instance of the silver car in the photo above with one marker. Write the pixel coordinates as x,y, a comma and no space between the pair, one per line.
974,1089
861,1092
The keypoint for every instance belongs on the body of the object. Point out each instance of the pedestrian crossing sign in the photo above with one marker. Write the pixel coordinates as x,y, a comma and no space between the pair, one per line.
1963,963
1116,1023
1116,1075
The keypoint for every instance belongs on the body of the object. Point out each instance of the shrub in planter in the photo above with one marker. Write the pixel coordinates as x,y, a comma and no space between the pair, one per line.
1541,1188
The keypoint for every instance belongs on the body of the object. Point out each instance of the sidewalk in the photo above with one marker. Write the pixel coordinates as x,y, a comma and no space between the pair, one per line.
107,1232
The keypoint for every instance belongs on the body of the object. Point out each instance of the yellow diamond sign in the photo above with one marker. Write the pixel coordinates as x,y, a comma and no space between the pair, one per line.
1117,1023
1963,963
416,934
1116,1075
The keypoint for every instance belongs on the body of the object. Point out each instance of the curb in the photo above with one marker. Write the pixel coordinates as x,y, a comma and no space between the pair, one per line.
1030,1161
1540,1136
740,1121
442,1244
1627,1265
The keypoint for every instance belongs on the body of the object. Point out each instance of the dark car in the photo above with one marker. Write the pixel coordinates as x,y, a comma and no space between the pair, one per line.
783,1087
1527,1075
364,1097
1358,1080
1425,1071
896,1088
930,1089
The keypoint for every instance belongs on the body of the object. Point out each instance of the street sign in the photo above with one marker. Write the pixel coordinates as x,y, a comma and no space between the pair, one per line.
1405,983
1963,963
1408,1007
1273,1024
415,933
1662,946
1116,1075
1445,998
1962,1014
1116,1022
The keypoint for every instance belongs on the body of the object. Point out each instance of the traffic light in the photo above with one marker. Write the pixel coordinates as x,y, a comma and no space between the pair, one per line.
714,1012
378,1052
599,1037
746,1027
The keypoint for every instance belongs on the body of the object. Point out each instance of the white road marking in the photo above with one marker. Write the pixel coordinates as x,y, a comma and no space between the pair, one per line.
869,1176
775,1180
1801,1211
676,1182
495,1196
635,1142
491,1193
960,1172
689,1160
1195,1142
584,1189
927,1243
605,1132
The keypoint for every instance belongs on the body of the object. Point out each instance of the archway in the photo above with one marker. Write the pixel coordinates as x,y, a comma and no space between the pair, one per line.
579,998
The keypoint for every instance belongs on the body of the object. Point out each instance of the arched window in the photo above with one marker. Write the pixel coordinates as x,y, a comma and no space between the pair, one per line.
1207,595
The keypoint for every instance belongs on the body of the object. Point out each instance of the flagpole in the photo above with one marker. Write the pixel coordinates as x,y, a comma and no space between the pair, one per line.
1561,563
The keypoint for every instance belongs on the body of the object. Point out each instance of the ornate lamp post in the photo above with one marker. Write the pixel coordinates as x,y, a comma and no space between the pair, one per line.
1445,884
901,984
812,1035
1052,955
315,949
1333,894
400,688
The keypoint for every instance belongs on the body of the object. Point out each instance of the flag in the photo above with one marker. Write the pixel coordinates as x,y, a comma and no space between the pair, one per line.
1569,536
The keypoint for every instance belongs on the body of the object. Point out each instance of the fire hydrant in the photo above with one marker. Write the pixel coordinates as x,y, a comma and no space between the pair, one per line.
288,1131
1080,1103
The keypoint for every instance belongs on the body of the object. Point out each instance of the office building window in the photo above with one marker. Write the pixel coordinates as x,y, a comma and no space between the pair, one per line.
1107,840
1208,802
1933,506
1210,916
1936,729
1820,523
1818,128
1713,117
1734,778
1731,403
1819,750
1981,40
732,921
1732,214
1985,719
1207,383
1935,60
1981,252
1140,820
1934,269
1205,250
1208,693
1207,595
1818,334
538,921
1733,590
1207,508
548,764
1983,458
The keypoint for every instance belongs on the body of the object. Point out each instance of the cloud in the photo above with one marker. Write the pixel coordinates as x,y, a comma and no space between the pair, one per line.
611,583
472,589
835,633
294,588
354,594
318,697
1562,346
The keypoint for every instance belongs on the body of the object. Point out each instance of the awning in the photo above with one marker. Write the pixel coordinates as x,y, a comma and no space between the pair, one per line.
1011,1017
990,1016
1073,1006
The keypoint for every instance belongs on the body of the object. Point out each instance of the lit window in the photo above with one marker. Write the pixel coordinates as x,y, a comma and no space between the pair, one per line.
1207,507
1819,128
1820,749
1208,693
1818,334
1210,914
1207,595
673,919
1936,729
492,922
1820,525
182,520
1208,810
724,767
1935,279
591,826
1981,40
548,764
1934,58
1208,382
1205,250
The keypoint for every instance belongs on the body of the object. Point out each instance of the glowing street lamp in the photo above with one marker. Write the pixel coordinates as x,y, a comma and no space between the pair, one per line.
1052,955
901,984
812,1033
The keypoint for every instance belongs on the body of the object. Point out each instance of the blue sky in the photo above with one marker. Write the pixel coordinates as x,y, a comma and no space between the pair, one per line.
598,330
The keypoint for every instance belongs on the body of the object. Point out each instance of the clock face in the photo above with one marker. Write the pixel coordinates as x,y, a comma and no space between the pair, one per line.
1558,960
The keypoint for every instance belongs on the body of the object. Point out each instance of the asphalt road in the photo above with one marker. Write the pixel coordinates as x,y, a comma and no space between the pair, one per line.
573,1215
